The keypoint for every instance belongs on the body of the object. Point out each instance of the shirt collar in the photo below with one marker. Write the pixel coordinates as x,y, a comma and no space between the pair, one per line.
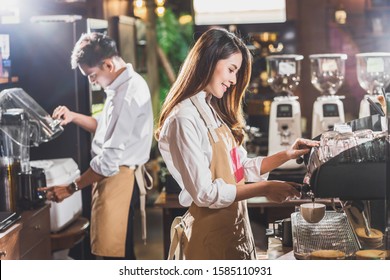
205,99
122,78
204,96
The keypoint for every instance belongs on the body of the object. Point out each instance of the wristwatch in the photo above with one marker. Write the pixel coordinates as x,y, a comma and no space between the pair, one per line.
73,187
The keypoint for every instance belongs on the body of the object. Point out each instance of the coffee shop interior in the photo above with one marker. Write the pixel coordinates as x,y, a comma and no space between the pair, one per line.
321,70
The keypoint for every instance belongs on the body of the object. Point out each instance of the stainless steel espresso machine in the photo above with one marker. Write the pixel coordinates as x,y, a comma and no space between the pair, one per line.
327,76
23,123
354,178
285,114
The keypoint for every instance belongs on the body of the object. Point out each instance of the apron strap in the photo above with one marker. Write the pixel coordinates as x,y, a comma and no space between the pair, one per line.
175,248
144,182
205,117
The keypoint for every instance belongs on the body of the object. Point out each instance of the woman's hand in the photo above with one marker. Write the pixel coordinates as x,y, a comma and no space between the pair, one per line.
57,193
382,101
279,191
63,113
300,147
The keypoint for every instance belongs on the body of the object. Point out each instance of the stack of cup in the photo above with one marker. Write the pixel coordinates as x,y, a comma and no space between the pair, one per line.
373,240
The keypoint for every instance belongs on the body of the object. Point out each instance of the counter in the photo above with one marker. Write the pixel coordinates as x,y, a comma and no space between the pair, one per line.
270,211
29,238
10,243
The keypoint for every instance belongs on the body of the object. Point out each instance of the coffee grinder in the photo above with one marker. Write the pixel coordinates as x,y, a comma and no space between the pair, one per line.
373,73
23,123
285,113
14,157
327,76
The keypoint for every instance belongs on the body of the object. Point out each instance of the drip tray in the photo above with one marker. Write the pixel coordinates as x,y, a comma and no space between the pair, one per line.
333,232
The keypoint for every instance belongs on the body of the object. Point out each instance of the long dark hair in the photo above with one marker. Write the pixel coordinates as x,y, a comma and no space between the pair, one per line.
196,72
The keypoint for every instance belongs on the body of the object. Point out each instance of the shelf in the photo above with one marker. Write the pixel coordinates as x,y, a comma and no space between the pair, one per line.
7,80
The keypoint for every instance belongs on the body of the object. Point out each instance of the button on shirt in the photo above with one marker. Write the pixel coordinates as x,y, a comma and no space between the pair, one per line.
185,147
125,128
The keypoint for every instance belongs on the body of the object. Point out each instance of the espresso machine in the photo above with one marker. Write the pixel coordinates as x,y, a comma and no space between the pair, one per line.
23,123
355,181
327,76
373,73
285,113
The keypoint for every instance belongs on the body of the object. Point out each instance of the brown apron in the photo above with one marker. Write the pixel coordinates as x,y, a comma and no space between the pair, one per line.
111,199
217,234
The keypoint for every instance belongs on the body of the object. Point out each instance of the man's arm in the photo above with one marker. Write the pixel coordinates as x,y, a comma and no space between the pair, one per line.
59,193
85,122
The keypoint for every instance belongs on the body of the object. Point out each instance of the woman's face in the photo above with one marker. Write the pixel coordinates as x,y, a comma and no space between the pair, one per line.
225,75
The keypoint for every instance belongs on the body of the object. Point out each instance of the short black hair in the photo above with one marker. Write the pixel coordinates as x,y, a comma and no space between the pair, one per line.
92,48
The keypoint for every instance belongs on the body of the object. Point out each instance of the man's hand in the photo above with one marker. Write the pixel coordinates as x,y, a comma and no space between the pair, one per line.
63,113
57,193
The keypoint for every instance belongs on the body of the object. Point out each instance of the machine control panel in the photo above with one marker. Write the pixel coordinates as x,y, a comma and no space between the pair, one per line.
284,111
330,110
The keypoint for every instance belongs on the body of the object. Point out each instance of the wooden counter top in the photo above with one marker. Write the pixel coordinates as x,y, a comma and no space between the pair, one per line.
29,238
288,256
170,200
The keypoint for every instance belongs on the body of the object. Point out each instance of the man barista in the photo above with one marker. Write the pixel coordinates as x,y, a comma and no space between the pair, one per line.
122,141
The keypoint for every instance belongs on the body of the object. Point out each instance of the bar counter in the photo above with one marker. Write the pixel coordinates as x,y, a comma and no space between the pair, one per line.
270,212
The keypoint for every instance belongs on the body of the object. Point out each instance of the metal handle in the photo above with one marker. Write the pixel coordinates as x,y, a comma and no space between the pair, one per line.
37,227
377,108
299,160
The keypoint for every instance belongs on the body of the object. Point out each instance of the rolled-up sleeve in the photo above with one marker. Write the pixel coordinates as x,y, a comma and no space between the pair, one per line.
252,167
181,148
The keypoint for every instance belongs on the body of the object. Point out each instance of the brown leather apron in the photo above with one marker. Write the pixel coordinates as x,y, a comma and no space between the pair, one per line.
111,199
225,233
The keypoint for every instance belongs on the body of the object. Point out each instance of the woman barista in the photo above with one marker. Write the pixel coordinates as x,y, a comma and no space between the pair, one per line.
200,133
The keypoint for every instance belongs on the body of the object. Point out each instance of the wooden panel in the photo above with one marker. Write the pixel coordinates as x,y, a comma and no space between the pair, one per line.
9,243
36,229
40,251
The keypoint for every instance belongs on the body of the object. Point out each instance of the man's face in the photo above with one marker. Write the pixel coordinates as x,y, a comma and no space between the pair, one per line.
101,75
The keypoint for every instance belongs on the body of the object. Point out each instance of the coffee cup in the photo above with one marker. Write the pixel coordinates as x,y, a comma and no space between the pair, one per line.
312,212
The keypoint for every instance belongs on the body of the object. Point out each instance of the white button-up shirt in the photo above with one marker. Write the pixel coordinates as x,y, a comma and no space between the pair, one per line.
125,128
185,147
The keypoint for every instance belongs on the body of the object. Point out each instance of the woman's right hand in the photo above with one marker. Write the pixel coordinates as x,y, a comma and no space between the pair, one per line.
64,114
301,147
381,99
279,191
